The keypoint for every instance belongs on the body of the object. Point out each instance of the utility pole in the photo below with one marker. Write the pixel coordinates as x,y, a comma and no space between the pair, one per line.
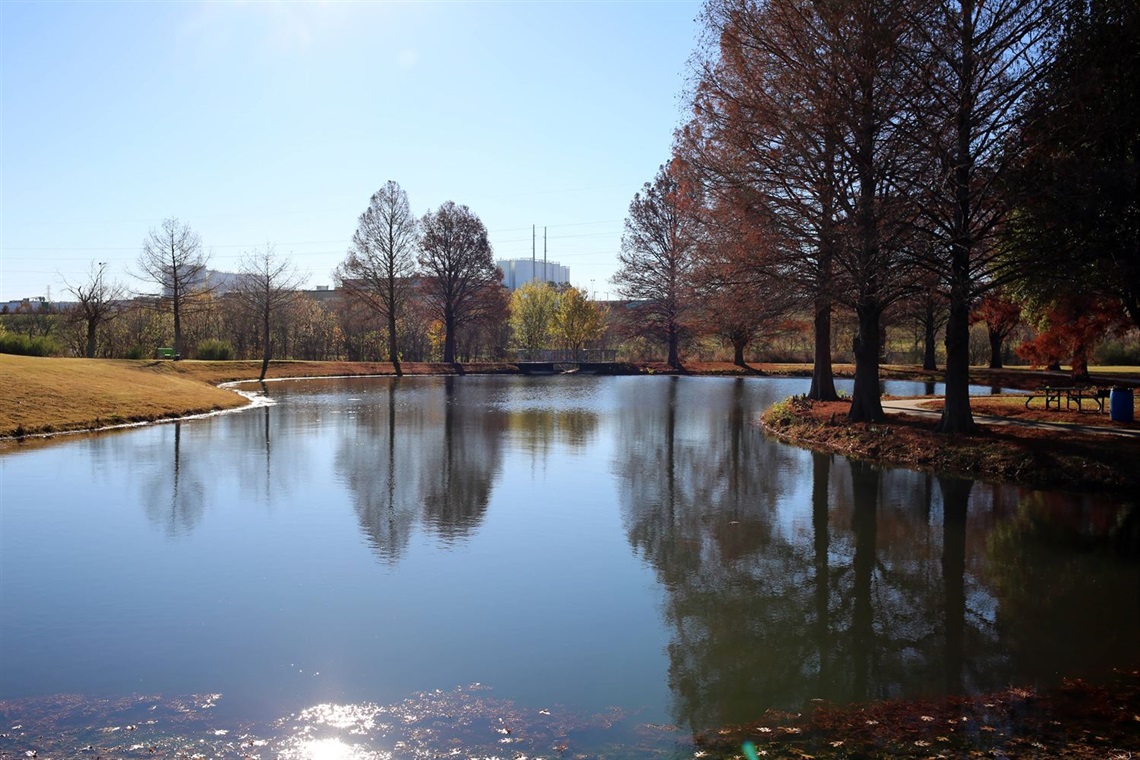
533,266
545,277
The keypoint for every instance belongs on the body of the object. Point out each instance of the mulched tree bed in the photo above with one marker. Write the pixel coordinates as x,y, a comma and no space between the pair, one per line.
1071,460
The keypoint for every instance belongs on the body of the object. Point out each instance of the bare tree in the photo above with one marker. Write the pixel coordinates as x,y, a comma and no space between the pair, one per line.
99,301
978,60
381,261
808,103
1001,317
873,92
657,256
268,285
928,308
766,126
172,258
455,256
738,277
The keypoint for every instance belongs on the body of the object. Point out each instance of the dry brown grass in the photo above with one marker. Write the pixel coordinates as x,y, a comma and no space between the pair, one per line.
50,395
229,371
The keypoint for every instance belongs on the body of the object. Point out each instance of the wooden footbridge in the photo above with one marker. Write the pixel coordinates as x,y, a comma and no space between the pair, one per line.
546,362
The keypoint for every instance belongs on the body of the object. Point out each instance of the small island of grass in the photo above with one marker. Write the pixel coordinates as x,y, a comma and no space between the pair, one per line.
1069,458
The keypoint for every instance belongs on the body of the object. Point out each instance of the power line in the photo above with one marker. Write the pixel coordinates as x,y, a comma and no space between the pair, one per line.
247,246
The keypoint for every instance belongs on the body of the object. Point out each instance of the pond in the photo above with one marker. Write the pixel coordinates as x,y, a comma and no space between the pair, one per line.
528,566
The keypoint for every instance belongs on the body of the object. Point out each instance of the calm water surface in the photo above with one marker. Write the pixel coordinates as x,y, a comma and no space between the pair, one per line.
411,565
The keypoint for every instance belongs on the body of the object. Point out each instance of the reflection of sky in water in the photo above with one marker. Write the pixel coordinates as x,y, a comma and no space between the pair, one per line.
579,542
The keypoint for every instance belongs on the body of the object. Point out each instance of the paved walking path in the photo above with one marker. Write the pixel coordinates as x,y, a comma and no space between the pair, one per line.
912,406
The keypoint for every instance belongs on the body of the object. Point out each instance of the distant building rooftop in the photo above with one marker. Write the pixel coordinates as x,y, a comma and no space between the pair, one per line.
518,272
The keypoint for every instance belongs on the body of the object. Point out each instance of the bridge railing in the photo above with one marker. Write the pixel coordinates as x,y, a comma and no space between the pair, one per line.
553,356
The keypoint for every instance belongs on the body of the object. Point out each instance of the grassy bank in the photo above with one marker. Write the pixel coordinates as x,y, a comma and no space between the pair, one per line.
51,395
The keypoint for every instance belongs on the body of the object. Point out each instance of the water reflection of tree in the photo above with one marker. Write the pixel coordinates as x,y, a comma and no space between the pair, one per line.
1066,566
462,471
551,412
870,598
540,430
266,470
700,488
426,453
375,460
179,467
175,498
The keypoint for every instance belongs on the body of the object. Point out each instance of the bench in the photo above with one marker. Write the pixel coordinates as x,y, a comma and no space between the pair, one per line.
1078,394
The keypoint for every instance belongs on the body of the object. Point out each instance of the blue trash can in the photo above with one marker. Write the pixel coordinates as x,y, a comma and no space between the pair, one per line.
1120,404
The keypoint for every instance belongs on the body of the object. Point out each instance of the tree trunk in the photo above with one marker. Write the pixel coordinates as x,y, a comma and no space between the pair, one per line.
674,354
995,348
265,347
738,345
956,414
91,323
449,338
822,377
866,401
928,359
178,347
393,348
1132,308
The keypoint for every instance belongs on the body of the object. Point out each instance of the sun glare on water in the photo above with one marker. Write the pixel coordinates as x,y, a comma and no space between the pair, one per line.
335,749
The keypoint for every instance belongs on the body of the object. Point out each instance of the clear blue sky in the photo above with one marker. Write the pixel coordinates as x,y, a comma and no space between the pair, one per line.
273,122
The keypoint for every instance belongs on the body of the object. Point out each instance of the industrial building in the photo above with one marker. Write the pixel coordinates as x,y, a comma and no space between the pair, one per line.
518,272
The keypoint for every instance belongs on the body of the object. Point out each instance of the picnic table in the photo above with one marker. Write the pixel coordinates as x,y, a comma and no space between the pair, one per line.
1073,394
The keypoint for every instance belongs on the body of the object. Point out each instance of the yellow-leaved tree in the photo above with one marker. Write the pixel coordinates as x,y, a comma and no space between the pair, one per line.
534,307
579,321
